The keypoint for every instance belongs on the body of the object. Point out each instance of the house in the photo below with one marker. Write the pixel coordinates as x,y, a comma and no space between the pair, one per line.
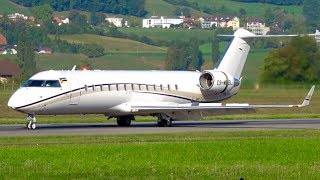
43,50
17,16
60,20
32,18
162,22
317,36
116,21
3,40
257,26
9,51
8,69
220,21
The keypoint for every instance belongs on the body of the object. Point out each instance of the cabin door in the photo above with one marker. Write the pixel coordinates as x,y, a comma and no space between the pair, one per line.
75,92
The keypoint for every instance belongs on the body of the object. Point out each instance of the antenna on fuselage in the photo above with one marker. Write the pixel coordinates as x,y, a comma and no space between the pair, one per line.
74,68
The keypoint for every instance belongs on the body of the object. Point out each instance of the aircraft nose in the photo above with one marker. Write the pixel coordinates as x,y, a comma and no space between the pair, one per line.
13,101
16,100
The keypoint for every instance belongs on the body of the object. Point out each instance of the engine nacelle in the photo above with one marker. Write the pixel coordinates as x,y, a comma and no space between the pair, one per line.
217,82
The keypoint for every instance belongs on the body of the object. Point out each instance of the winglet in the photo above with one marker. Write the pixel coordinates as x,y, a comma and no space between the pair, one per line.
307,100
74,68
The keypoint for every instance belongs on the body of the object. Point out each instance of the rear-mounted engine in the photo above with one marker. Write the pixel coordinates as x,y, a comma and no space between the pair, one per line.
217,81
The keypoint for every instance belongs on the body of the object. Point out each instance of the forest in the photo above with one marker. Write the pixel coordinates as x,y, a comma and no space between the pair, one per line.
125,7
277,2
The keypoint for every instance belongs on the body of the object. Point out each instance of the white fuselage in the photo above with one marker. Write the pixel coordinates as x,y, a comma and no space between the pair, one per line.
111,92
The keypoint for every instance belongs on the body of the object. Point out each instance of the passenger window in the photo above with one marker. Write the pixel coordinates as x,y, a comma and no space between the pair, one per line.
52,83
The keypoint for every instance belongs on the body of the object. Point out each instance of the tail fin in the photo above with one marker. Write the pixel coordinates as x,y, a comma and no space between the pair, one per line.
236,55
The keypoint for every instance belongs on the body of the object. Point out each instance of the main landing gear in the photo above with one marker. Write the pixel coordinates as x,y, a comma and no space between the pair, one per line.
31,124
164,121
124,121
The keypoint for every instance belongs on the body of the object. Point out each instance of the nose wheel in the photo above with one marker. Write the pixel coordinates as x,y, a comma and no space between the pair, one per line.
31,124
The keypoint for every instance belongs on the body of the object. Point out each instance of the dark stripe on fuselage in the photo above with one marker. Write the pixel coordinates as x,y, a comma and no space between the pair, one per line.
82,88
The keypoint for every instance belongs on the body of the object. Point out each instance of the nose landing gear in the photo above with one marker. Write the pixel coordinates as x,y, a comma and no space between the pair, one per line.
31,124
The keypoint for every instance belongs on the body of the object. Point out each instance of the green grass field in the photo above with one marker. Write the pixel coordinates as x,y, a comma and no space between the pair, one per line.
8,7
113,44
252,9
169,34
207,155
162,8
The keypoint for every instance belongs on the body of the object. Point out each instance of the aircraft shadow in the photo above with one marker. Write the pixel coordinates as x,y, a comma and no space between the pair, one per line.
197,124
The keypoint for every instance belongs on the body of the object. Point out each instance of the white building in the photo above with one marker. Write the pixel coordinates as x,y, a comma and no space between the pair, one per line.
257,26
220,21
163,22
317,36
16,16
115,21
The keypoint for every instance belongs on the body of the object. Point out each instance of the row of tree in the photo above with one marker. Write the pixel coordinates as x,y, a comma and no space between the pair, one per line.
277,2
126,7
182,55
298,61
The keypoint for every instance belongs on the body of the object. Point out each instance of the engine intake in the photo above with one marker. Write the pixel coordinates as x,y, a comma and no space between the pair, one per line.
217,81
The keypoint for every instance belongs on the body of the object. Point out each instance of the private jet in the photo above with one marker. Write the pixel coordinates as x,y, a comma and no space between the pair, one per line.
167,95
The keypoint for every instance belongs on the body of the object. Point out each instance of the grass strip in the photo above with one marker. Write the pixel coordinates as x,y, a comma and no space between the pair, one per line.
222,155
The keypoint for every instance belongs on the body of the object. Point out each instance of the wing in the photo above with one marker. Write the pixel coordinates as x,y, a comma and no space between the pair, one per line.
214,106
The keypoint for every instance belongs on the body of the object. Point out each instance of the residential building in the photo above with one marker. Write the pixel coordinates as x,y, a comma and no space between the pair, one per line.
189,23
9,51
32,18
317,36
60,20
8,69
3,40
162,22
17,16
220,21
43,50
116,21
257,26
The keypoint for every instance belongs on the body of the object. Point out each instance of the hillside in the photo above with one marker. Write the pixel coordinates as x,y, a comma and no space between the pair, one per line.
252,9
9,7
162,8
113,44
169,34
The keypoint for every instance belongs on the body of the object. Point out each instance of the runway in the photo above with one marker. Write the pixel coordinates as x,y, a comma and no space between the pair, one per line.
151,127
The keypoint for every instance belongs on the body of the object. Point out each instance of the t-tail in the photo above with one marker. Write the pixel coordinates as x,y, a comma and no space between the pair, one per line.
236,55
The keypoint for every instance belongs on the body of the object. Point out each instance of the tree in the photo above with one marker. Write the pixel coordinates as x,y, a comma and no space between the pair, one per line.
26,54
77,18
43,13
242,12
215,54
311,12
97,18
296,62
184,55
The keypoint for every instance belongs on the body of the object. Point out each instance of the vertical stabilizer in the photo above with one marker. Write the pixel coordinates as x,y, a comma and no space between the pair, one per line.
236,55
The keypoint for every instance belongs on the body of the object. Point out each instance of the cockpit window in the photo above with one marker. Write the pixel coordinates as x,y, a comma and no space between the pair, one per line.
52,83
42,83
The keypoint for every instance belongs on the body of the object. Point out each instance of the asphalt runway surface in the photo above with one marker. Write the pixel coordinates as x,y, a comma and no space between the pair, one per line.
152,128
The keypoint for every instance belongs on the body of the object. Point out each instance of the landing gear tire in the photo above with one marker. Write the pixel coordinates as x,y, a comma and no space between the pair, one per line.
164,123
124,121
32,122
32,125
